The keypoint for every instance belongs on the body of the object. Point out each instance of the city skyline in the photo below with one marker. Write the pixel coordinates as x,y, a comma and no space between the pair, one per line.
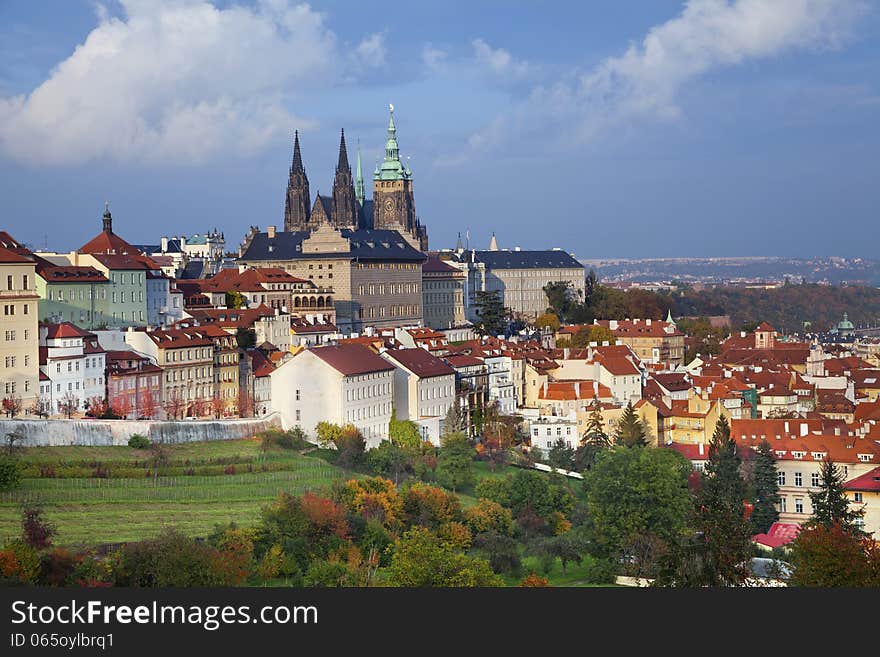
616,132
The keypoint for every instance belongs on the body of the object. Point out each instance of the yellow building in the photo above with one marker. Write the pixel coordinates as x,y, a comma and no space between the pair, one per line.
864,493
19,337
611,416
690,421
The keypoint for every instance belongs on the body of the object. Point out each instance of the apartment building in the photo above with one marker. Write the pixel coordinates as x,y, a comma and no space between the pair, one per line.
19,341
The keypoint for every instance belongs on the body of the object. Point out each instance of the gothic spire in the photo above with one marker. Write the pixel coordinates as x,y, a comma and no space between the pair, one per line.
359,178
297,164
343,155
296,200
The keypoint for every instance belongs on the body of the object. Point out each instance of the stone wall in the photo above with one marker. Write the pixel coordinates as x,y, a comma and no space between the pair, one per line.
45,433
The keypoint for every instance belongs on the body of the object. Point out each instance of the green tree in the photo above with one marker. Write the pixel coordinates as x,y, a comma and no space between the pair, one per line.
766,487
421,558
636,493
830,504
720,514
235,300
560,298
10,473
245,338
389,460
491,313
630,431
404,433
567,548
454,420
455,461
561,455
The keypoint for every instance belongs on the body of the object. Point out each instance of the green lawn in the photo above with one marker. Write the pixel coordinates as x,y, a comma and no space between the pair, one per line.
89,511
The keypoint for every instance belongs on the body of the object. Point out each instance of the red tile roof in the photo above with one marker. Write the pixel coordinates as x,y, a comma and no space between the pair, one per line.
618,366
572,390
460,360
108,242
65,330
869,482
437,266
352,359
779,534
9,257
420,362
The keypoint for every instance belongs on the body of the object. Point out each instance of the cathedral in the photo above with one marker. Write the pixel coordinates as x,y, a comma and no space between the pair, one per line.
391,208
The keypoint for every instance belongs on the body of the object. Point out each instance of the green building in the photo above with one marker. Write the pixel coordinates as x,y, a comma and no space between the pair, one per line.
72,294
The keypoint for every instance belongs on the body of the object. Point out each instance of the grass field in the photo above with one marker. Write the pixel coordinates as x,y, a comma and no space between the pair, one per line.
89,511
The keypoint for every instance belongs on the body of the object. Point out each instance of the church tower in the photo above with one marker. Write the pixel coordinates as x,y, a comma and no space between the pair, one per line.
297,200
393,204
343,206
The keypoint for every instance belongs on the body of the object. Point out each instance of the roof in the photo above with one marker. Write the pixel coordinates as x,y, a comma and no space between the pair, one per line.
618,365
300,326
673,381
178,338
437,266
692,452
52,273
764,326
352,359
571,390
10,257
461,360
65,330
779,534
641,328
114,261
420,362
868,482
365,245
110,243
548,259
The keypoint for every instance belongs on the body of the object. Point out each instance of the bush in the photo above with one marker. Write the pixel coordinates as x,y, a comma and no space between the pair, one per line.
10,473
294,438
139,441
603,571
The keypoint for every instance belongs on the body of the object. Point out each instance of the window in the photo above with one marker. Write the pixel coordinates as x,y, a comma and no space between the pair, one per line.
814,479
780,479
297,415
798,505
858,497
782,505
798,480
297,397
9,282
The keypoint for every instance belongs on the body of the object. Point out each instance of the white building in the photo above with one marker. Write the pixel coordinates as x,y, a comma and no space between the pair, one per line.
501,385
544,431
74,363
424,389
341,384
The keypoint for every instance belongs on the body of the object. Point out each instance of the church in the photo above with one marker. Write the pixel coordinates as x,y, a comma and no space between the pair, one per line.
369,253
391,208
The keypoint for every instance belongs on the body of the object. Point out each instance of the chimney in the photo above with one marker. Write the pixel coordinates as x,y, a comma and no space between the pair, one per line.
701,448
648,321
596,389
164,246
805,429
545,388
612,324
786,426
577,389
636,320
742,334
270,231
565,353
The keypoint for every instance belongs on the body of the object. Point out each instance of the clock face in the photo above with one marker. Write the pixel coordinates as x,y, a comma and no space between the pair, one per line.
389,206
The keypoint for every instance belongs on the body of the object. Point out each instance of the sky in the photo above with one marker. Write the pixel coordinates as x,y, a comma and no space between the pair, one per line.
611,128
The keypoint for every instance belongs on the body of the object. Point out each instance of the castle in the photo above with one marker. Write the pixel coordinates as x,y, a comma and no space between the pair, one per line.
391,208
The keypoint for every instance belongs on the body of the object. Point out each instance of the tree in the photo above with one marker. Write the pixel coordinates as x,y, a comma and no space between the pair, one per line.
174,405
560,297
561,455
595,430
245,338
218,406
36,531
630,431
491,312
454,420
404,433
235,300
766,487
636,493
725,535
455,461
421,558
10,473
12,405
548,321
830,505
69,404
148,404
592,333
832,556
40,407
389,460
567,547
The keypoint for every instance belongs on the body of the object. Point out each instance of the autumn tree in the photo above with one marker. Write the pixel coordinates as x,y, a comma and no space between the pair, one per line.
218,407
174,405
69,404
148,404
12,405
548,321
36,531
766,489
832,556
592,333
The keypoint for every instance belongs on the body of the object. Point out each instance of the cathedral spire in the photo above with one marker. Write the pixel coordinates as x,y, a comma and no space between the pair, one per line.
359,178
108,218
343,154
296,200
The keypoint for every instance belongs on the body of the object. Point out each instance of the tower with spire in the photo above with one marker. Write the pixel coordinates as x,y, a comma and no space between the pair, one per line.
393,203
343,204
359,178
297,202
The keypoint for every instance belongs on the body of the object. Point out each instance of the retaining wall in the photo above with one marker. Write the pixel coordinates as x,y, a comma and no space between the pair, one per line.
46,433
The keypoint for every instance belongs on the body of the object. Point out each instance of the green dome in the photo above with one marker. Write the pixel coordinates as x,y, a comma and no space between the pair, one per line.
845,324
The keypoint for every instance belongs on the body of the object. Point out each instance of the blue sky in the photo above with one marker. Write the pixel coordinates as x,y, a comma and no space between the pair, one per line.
616,128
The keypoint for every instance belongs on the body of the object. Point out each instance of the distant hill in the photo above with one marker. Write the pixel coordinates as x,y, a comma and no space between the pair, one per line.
786,307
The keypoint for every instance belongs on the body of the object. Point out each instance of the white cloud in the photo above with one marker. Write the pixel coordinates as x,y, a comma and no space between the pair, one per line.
371,51
645,81
434,58
498,60
175,81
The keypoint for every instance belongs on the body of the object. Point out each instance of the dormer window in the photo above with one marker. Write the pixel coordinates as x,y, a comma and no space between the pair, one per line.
865,458
798,455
